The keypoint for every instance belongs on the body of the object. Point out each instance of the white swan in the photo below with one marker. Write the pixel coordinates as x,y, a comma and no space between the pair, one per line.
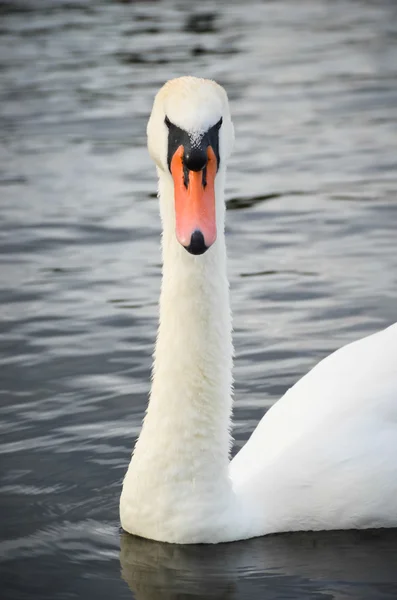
323,457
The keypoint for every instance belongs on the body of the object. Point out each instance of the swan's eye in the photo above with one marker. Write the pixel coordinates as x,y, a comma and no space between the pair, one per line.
167,122
217,126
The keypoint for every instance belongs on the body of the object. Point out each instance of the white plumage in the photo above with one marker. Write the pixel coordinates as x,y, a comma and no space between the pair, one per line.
323,457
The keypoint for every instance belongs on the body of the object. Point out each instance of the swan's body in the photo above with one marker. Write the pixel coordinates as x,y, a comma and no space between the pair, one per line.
323,457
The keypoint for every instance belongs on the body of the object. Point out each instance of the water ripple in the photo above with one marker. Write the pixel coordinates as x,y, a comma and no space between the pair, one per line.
311,235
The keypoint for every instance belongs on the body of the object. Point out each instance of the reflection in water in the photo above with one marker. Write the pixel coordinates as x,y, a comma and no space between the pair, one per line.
247,202
353,564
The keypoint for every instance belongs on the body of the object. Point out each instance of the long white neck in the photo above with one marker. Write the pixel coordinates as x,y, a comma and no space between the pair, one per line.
191,391
190,400
182,454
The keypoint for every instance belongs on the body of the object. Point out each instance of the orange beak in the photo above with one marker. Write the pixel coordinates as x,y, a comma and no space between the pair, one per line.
194,193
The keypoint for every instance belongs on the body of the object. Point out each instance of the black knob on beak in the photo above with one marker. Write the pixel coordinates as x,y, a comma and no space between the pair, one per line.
195,158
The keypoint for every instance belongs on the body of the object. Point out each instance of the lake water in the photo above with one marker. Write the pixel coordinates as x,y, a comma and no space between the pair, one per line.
312,242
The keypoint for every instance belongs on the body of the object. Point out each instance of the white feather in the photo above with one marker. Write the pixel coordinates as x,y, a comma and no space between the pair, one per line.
323,457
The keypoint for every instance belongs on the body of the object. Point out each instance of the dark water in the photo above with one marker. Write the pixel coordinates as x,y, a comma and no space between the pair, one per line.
312,193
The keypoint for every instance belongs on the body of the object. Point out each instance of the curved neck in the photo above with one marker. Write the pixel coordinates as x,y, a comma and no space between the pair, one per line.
189,413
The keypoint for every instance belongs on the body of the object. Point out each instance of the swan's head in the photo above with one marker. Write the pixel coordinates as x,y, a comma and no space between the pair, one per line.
190,137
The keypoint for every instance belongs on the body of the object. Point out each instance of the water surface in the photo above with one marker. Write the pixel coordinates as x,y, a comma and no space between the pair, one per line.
312,245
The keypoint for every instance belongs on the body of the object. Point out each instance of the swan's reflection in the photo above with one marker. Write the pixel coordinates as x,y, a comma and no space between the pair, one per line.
361,564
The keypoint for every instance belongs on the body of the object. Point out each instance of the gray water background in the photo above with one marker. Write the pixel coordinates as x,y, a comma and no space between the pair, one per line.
312,242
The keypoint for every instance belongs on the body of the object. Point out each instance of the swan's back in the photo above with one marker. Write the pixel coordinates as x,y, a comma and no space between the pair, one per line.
325,455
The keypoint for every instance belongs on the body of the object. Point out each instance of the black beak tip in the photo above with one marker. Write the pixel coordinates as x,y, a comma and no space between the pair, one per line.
197,244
